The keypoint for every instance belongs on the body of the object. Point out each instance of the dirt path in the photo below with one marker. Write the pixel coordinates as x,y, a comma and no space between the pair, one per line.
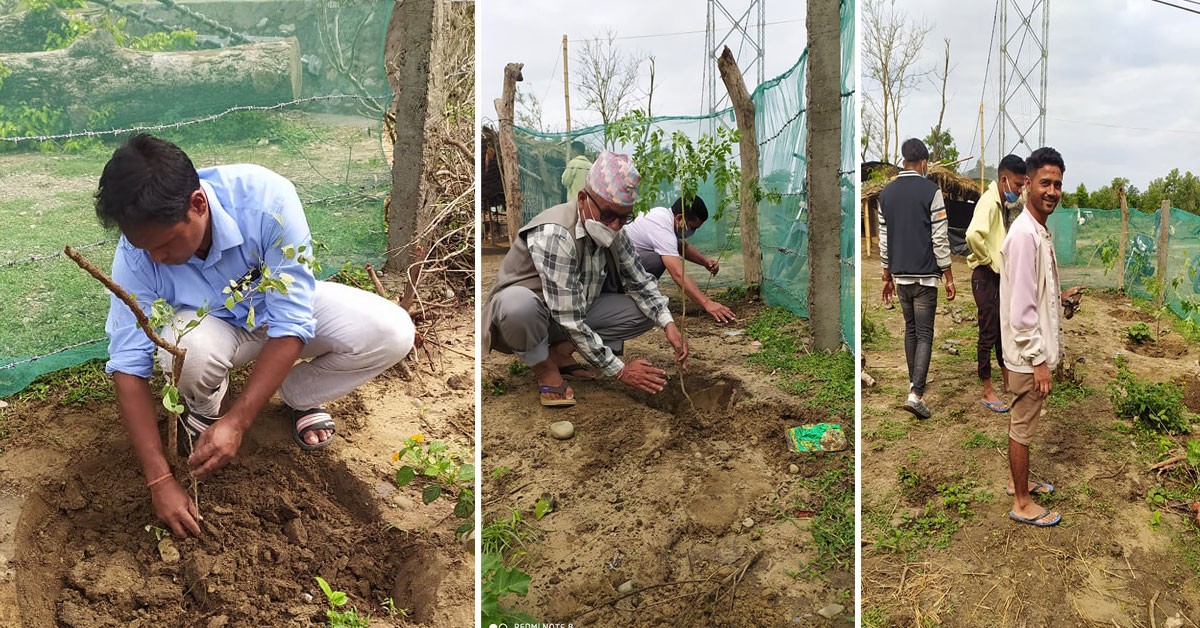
698,503
938,548
74,551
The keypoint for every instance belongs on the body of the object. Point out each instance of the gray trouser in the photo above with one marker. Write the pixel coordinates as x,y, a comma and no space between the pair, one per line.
919,304
521,323
358,336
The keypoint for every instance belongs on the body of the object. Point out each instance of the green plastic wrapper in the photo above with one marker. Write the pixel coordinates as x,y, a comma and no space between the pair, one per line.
818,437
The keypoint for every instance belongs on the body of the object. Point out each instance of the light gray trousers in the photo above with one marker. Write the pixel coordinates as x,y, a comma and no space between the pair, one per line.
358,336
521,323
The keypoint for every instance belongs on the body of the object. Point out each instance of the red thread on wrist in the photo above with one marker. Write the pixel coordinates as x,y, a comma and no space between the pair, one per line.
157,480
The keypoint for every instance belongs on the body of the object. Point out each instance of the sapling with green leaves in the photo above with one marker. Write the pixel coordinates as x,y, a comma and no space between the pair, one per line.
348,618
444,474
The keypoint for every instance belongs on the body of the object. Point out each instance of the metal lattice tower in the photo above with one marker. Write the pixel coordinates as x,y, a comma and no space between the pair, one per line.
1024,59
723,29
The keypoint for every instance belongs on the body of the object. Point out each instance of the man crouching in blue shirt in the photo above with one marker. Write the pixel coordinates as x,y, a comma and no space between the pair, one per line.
187,237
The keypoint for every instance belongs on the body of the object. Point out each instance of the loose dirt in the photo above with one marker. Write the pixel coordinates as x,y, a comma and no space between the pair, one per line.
1102,566
696,503
73,512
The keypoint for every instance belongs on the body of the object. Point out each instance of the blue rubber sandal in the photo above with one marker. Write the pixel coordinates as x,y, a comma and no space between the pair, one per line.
1034,521
995,406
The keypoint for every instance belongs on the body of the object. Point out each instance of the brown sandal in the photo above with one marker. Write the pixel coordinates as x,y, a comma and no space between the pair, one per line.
561,389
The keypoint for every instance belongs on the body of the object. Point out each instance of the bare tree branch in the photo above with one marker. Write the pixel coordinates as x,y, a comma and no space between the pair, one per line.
891,46
607,76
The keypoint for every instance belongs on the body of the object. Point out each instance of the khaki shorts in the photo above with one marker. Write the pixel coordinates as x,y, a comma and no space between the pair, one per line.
1025,409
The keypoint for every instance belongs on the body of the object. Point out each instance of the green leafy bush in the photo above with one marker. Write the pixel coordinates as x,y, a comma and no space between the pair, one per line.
1138,333
1157,406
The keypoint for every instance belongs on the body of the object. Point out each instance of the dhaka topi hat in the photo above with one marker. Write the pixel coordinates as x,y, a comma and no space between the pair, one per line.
614,178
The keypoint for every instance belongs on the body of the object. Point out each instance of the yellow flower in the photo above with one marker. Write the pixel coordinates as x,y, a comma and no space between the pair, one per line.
396,457
418,438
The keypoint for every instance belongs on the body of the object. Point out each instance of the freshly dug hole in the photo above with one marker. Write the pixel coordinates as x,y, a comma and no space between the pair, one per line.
273,521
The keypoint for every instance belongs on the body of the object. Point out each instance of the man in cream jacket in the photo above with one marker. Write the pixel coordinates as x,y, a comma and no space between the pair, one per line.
1030,326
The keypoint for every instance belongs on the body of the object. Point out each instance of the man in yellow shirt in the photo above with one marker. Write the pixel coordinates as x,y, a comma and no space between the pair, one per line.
575,174
994,212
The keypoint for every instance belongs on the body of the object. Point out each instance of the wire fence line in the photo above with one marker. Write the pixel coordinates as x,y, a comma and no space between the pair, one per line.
184,123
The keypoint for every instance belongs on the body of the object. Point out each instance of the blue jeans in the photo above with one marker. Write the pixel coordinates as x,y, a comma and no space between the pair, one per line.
919,304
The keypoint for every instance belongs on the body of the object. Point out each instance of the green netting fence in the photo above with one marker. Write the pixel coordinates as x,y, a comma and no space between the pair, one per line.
1087,241
298,87
783,227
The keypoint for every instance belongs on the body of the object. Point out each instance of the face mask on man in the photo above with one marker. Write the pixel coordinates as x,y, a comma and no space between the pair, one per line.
1010,197
601,234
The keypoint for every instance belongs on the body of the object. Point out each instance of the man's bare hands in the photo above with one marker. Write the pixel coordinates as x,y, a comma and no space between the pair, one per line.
719,312
675,337
216,447
641,374
1042,381
173,507
713,266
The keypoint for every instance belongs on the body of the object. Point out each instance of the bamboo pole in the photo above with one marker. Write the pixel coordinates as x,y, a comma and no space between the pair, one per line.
1123,244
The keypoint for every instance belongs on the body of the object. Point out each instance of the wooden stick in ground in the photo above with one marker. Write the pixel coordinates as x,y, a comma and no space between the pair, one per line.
379,289
144,323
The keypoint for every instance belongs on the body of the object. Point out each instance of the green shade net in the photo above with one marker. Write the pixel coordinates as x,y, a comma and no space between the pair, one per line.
783,227
297,87
1086,245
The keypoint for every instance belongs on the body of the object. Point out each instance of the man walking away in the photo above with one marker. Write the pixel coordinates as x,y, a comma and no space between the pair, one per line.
914,247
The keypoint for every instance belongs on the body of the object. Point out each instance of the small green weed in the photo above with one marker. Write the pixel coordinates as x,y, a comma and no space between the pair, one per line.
1067,392
500,472
497,386
958,497
1139,333
909,478
875,617
348,618
979,440
517,368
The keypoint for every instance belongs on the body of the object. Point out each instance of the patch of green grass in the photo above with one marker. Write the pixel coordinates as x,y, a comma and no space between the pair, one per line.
508,537
874,335
77,386
1065,393
732,293
875,617
825,379
832,525
496,386
931,529
888,430
500,472
979,440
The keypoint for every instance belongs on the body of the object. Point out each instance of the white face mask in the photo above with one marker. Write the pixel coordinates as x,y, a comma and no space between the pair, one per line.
601,234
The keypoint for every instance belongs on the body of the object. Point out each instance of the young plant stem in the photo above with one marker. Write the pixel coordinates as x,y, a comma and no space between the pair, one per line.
683,307
144,323
379,289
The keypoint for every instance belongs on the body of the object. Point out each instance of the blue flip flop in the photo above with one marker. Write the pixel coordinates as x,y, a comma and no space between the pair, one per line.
1035,521
995,406
1049,488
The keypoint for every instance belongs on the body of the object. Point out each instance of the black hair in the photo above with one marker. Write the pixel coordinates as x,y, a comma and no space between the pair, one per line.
1044,156
696,211
1012,164
914,150
579,147
146,180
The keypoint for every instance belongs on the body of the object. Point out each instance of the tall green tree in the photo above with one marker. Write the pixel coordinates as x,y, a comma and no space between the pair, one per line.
941,148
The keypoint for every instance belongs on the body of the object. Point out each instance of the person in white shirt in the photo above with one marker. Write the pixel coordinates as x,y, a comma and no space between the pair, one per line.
660,238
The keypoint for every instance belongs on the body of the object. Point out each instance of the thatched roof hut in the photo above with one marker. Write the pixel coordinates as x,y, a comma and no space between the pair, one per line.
959,193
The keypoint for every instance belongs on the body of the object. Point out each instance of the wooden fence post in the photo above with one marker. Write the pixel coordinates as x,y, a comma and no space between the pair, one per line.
1121,247
510,164
743,110
1164,236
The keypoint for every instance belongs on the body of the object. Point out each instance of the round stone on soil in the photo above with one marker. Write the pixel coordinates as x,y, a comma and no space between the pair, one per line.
831,611
562,430
625,587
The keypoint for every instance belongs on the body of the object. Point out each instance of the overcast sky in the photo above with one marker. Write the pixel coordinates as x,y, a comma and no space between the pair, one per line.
530,32
1123,95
